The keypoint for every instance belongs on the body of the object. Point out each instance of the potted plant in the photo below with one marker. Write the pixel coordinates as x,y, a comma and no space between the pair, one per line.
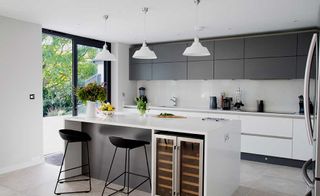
89,95
141,105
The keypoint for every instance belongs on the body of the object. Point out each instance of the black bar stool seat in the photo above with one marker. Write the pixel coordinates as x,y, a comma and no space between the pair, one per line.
128,145
74,136
71,136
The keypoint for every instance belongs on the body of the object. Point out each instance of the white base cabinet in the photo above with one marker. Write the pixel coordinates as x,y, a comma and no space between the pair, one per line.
302,150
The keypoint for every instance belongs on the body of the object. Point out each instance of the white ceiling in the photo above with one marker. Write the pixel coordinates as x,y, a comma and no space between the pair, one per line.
167,19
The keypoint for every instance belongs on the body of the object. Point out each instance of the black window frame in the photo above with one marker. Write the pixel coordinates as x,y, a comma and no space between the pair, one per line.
78,40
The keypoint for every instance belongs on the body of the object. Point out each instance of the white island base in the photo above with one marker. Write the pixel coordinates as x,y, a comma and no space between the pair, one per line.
221,146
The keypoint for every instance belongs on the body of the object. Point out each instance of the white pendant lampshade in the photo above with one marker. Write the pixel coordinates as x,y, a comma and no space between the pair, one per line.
196,49
104,55
144,53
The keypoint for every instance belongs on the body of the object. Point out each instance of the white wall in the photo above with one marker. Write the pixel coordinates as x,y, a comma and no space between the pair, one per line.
20,75
278,95
123,90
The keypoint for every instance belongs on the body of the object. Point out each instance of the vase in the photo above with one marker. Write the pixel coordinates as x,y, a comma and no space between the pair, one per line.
91,109
142,112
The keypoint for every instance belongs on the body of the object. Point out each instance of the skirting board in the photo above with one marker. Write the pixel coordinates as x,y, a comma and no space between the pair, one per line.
272,160
33,162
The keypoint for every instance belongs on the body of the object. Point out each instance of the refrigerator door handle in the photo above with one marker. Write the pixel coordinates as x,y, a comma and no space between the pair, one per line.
306,177
306,88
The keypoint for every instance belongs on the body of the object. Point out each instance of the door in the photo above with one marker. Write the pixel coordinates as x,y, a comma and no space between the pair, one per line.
190,167
165,160
311,94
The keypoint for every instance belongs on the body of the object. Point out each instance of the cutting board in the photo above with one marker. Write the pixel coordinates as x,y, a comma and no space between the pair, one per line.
158,116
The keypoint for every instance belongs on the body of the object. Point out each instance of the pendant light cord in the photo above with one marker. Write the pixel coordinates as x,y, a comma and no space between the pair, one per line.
196,28
106,18
145,10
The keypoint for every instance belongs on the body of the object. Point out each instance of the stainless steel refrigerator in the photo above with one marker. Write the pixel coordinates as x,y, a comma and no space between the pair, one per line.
311,169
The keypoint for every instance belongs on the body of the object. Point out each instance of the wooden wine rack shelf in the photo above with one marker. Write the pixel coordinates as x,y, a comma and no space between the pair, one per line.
165,186
165,161
190,166
190,174
190,157
189,192
165,153
165,169
165,178
165,145
190,183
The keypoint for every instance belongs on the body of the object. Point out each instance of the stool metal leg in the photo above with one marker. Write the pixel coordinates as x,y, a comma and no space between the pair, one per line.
67,179
128,172
106,183
89,172
145,152
125,169
60,171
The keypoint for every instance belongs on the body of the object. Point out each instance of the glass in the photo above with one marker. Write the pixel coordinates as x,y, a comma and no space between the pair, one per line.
165,167
190,168
88,72
57,75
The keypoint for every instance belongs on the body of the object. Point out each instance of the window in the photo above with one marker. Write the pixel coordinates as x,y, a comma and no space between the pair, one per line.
67,64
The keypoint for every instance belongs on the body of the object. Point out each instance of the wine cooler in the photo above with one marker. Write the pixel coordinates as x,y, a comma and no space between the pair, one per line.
178,167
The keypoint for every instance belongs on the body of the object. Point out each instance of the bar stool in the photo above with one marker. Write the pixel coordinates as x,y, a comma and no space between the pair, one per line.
128,145
72,136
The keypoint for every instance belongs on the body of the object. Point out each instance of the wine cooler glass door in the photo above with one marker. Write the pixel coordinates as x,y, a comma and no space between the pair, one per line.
165,165
190,168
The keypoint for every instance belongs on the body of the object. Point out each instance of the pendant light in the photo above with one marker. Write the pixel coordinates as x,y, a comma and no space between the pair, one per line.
196,48
104,54
144,52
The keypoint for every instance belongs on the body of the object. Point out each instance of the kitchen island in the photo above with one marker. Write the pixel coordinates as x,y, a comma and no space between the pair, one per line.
221,147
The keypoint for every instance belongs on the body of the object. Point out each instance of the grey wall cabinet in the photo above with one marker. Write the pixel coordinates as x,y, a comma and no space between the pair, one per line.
304,40
271,46
137,61
229,49
229,69
200,70
301,66
209,45
270,68
142,71
170,52
169,71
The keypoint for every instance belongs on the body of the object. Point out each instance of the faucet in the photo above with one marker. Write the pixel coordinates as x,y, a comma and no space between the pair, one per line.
174,100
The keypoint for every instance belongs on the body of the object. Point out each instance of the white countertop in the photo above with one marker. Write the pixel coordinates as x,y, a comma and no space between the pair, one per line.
193,125
232,112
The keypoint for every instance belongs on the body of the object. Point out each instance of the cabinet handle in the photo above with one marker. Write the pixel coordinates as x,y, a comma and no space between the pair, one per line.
226,137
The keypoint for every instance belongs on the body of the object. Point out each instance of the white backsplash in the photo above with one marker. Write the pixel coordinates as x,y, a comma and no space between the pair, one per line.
278,95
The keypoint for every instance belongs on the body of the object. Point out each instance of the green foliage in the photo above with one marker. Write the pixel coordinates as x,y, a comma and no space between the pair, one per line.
57,73
141,105
92,92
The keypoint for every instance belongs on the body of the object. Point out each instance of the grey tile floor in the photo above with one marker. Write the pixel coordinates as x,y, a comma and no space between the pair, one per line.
257,179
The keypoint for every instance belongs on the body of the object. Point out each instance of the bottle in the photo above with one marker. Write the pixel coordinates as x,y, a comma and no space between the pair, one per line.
222,100
260,106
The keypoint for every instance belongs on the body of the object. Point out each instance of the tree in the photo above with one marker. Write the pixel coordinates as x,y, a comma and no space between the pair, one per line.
57,72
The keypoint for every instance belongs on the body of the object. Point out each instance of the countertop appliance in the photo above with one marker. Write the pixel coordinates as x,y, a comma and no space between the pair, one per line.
142,94
227,103
312,92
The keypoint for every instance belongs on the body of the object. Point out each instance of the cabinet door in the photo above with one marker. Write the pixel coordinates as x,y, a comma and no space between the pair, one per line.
270,68
209,45
140,71
228,69
304,40
165,160
137,61
271,46
200,70
190,169
301,66
169,71
170,52
302,150
229,49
